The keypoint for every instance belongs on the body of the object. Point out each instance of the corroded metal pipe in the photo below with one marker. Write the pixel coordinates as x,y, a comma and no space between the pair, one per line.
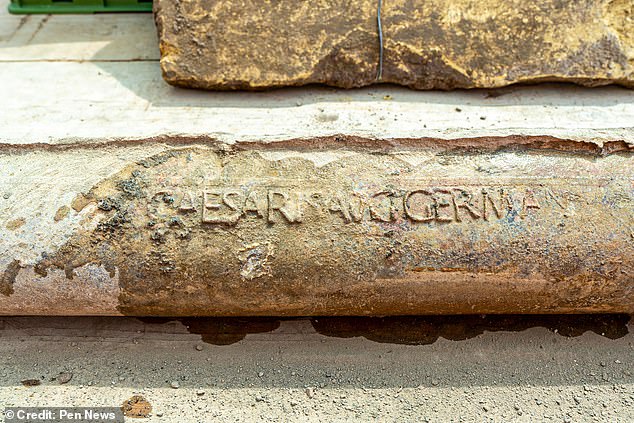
253,230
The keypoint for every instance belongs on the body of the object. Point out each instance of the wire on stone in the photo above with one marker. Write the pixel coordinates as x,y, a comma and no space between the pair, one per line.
379,73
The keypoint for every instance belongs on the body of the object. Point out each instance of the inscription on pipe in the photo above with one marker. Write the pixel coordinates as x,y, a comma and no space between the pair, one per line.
447,204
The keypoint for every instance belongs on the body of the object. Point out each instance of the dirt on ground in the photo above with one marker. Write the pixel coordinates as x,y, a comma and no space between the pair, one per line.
474,368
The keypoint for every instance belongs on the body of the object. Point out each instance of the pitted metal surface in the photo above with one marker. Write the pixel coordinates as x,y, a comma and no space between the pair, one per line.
250,230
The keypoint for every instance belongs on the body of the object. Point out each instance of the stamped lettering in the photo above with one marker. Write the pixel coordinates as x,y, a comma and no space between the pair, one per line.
428,204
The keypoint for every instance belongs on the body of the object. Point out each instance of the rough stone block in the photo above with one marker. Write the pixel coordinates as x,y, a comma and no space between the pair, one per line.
253,44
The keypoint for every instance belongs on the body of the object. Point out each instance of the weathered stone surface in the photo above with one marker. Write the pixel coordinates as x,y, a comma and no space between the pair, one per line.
253,44
509,225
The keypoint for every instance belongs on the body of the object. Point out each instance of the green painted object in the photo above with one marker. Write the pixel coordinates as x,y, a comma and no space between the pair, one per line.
78,6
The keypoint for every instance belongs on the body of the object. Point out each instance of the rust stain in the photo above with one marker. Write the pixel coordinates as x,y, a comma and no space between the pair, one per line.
482,144
61,213
8,278
136,407
14,224
79,202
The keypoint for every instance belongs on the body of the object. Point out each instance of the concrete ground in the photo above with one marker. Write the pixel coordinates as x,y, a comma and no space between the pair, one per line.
474,368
